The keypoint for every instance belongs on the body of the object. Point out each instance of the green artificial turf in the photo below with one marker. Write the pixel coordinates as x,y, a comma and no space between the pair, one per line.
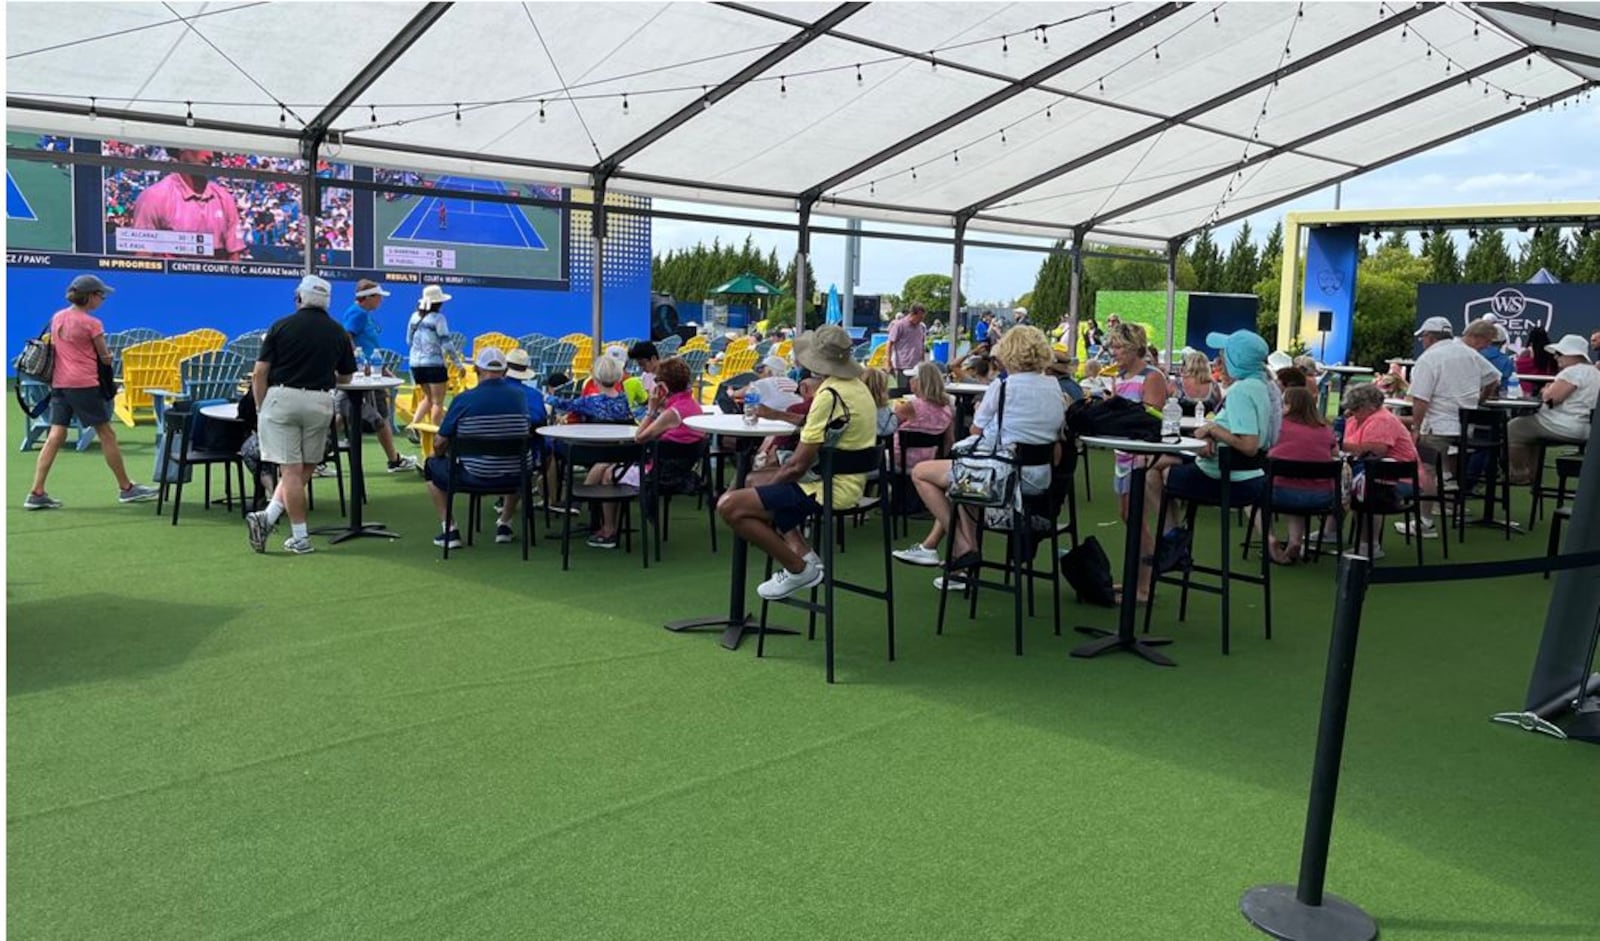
372,743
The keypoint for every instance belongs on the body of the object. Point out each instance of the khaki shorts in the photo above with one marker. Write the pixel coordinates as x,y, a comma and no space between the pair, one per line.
293,425
1450,463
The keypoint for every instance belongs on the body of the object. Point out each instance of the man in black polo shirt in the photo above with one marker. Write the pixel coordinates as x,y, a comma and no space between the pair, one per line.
302,357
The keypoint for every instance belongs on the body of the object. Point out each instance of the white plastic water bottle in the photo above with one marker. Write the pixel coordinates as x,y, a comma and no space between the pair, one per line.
1171,418
752,403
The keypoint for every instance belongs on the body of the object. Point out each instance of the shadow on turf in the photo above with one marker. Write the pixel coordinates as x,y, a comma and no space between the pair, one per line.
98,637
1488,929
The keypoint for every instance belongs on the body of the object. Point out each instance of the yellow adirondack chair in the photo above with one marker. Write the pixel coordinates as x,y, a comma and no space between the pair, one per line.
502,341
150,365
879,358
696,342
738,361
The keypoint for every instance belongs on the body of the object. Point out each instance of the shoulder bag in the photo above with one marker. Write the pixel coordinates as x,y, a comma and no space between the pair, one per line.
38,357
987,477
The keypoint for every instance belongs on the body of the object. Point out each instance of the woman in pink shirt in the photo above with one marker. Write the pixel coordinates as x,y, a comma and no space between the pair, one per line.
670,403
927,410
79,341
1304,437
1373,431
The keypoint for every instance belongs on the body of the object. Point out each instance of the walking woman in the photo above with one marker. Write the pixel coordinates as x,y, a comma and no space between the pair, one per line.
428,335
79,341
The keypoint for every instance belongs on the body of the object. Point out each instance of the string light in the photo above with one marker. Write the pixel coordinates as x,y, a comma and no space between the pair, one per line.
1403,32
1158,52
1474,32
1102,84
283,115
1002,135
1005,47
783,86
541,110
1047,115
93,113
958,156
705,98
624,102
188,117
913,173
1214,19
458,112
932,62
872,189
373,114
1113,16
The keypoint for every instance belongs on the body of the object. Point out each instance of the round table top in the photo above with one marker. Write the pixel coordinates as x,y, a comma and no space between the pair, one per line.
1528,377
359,383
1133,446
164,393
1350,370
591,432
222,411
966,388
1531,405
733,426
1190,422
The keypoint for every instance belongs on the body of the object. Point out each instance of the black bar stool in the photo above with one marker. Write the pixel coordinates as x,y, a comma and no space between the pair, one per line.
1380,496
1022,542
832,461
1228,461
1318,471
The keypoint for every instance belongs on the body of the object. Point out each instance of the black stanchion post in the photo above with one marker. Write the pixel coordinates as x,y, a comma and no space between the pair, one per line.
1305,912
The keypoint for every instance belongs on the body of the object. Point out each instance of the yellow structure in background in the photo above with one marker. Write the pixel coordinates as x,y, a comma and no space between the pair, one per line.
145,366
1428,218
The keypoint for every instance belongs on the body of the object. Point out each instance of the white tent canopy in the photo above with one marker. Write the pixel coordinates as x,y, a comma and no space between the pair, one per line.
1133,123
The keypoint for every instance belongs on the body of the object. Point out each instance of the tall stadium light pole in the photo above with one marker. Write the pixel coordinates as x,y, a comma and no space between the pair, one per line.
597,265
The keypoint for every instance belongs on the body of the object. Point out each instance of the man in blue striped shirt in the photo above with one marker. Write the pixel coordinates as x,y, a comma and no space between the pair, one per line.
495,408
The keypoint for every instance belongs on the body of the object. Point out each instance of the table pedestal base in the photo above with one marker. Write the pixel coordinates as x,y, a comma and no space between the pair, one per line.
1111,641
354,532
733,631
1512,525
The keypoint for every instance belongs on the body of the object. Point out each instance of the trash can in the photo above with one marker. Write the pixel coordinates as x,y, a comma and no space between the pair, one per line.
941,351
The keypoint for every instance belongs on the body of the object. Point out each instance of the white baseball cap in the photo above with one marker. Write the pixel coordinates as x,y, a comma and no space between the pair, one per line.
1435,325
491,359
314,292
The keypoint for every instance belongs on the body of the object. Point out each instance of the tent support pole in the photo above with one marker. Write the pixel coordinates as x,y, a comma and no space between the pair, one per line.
597,269
958,258
311,148
802,256
1173,248
1074,304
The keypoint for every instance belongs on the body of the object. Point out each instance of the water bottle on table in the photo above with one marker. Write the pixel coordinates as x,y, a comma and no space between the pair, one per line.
1171,418
752,404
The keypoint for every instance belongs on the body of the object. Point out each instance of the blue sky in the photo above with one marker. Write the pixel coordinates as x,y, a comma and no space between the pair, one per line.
1539,157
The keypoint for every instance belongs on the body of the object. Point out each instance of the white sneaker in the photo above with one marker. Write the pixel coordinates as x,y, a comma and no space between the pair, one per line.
1373,554
402,462
811,558
259,529
954,584
299,545
784,583
918,554
1428,531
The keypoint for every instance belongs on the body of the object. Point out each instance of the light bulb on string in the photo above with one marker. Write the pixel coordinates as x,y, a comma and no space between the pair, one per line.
541,110
1002,135
283,115
372,114
1113,16
1044,35
1047,113
1102,83
913,173
93,113
872,188
1214,19
957,155
705,98
1158,52
858,73
458,112
624,102
933,64
188,117
783,86
1403,31
1474,31
1005,47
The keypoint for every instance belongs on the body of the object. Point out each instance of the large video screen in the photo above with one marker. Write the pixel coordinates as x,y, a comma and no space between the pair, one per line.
38,196
461,235
151,213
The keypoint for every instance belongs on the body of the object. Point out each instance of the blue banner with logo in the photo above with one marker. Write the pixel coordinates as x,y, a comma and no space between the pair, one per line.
1331,257
1558,309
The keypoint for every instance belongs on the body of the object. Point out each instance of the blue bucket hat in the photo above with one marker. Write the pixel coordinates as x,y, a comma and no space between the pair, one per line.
1243,352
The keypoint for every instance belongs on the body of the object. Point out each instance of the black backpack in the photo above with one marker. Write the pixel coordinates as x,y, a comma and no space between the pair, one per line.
1113,417
1088,570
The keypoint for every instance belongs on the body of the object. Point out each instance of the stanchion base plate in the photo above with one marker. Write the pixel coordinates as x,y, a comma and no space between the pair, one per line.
1274,910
